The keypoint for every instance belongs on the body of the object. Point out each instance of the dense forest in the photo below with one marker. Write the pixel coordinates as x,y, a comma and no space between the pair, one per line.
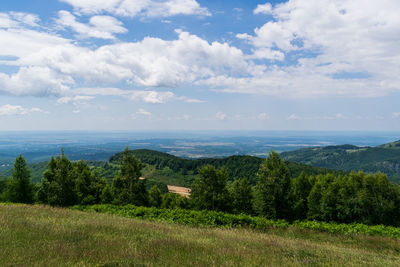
384,158
238,167
273,192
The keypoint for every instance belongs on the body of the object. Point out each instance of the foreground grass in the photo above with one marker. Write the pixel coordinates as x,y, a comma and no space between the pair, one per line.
44,236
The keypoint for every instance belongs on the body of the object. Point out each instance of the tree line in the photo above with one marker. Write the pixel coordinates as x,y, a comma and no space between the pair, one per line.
339,197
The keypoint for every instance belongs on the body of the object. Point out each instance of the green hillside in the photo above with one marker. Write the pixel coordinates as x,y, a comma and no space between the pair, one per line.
162,169
44,236
384,158
244,166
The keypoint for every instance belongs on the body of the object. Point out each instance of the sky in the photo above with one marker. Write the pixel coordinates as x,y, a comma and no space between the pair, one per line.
321,65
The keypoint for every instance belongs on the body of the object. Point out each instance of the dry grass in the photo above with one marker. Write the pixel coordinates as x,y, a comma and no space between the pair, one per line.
45,236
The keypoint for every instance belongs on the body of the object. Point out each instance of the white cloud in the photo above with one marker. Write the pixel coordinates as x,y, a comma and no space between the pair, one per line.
143,112
152,62
75,100
293,117
396,114
18,19
8,110
337,116
132,8
263,116
26,18
152,97
324,38
21,42
147,96
103,27
329,38
263,9
35,81
221,116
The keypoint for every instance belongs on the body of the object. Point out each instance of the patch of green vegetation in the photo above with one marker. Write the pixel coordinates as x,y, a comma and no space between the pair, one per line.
182,172
385,158
44,236
226,220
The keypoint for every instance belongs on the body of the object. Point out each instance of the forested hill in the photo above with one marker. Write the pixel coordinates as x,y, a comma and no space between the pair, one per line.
384,158
238,166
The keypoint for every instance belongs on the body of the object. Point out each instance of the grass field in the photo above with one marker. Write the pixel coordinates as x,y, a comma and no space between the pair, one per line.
44,236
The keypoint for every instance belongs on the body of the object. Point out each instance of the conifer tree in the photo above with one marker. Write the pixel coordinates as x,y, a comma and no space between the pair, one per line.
155,197
271,196
20,188
242,196
58,183
127,187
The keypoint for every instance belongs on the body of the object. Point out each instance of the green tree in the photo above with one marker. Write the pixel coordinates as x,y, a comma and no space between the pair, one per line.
210,191
271,194
20,188
88,185
106,195
242,196
173,201
58,182
299,191
155,199
127,187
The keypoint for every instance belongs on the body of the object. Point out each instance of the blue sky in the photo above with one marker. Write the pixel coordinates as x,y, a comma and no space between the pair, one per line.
200,65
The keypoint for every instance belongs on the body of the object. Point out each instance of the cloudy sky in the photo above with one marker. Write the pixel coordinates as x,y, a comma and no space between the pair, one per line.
190,65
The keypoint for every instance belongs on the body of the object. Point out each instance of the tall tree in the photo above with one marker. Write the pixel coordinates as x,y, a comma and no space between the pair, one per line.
242,196
88,184
20,188
299,191
210,191
127,187
58,183
155,198
271,196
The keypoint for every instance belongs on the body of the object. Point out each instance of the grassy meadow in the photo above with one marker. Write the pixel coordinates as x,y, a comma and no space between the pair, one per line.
45,236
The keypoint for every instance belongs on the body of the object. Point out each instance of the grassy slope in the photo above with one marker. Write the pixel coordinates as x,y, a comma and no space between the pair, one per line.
45,236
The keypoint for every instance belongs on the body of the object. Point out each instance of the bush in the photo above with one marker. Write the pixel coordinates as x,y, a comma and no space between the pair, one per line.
221,219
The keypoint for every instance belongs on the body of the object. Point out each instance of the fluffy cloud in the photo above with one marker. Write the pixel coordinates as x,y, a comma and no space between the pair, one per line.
221,116
103,27
263,9
337,116
340,50
132,8
152,62
35,81
18,19
143,112
75,100
147,96
396,114
263,116
7,110
335,49
293,117
51,65
152,97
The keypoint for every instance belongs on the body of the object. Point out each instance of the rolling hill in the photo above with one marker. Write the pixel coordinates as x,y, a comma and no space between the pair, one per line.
165,169
384,158
242,166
